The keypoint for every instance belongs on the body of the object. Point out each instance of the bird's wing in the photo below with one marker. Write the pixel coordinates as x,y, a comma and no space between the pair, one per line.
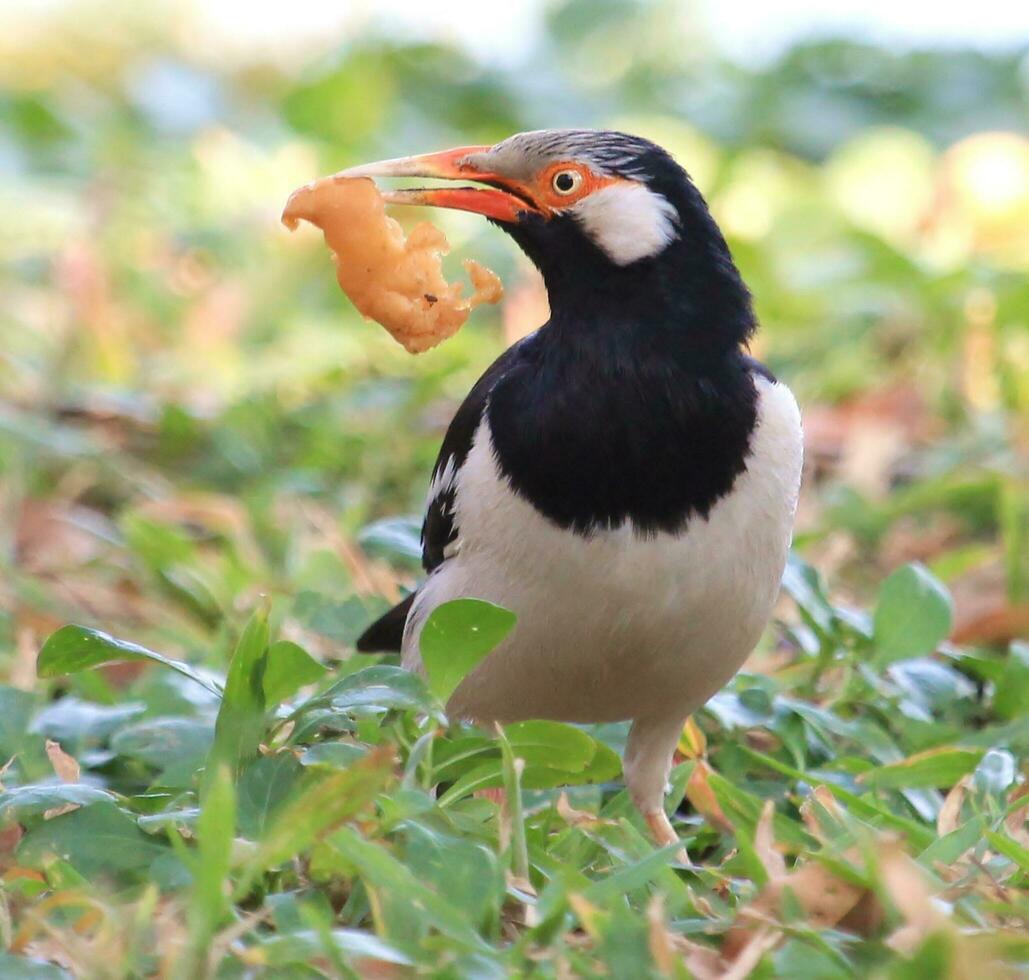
439,530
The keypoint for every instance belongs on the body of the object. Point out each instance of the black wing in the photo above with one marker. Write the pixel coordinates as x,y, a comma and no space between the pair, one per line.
438,527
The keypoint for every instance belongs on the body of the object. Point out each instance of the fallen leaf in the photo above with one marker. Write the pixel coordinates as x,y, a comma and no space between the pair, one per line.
702,796
764,844
574,817
950,812
658,939
66,768
907,889
692,741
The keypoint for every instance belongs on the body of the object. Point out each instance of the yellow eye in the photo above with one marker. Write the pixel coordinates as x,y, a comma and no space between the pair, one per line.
566,182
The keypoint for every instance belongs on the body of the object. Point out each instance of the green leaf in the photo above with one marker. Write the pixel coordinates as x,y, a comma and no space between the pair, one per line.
240,725
290,667
462,869
176,746
304,945
98,841
72,720
319,807
24,801
913,615
384,874
75,648
382,686
1010,848
1012,694
263,788
941,767
29,968
456,637
208,903
333,755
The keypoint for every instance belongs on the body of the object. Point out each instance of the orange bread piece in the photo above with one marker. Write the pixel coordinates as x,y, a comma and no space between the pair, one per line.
395,281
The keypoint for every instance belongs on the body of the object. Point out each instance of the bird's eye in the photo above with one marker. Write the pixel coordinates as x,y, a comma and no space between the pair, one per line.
567,182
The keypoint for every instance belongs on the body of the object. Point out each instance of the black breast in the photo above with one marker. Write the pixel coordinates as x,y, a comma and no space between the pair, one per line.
594,439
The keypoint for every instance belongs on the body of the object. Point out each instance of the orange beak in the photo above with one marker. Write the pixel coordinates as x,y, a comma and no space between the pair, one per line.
503,200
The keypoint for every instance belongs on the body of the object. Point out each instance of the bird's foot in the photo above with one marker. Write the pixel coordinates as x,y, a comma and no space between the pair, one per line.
664,833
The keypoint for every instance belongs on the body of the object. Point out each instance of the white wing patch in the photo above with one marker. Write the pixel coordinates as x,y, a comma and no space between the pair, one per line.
441,482
628,221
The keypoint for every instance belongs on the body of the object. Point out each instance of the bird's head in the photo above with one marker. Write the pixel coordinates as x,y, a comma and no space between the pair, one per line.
610,219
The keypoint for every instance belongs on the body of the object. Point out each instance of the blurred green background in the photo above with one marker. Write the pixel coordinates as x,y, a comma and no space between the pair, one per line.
191,413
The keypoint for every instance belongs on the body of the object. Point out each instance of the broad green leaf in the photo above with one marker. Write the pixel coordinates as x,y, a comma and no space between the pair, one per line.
913,615
551,744
98,841
176,746
381,686
20,802
941,767
304,945
464,870
290,667
29,968
75,648
334,755
263,788
71,720
456,637
805,587
240,725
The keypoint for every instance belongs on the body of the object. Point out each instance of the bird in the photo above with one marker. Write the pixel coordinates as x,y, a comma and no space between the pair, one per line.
625,479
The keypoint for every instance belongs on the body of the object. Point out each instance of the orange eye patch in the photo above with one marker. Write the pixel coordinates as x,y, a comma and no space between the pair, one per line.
566,182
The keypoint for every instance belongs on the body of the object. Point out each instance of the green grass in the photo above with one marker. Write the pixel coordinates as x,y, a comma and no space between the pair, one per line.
210,478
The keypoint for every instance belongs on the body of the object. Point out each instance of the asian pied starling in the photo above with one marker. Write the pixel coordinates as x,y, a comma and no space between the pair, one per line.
625,478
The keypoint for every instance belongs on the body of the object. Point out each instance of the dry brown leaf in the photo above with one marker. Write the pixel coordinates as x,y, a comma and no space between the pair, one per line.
750,954
586,912
658,939
821,795
692,741
826,899
702,796
10,836
574,817
66,768
52,537
907,888
1015,822
950,812
764,844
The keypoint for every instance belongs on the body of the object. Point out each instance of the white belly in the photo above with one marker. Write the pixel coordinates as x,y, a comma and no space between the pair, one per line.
617,626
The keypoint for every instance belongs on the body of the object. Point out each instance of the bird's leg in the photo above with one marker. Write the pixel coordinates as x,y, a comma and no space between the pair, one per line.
647,763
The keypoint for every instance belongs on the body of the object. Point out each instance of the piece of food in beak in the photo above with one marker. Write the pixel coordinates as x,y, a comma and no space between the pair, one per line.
395,281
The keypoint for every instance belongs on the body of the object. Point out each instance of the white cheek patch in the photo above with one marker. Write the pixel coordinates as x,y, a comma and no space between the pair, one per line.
628,221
